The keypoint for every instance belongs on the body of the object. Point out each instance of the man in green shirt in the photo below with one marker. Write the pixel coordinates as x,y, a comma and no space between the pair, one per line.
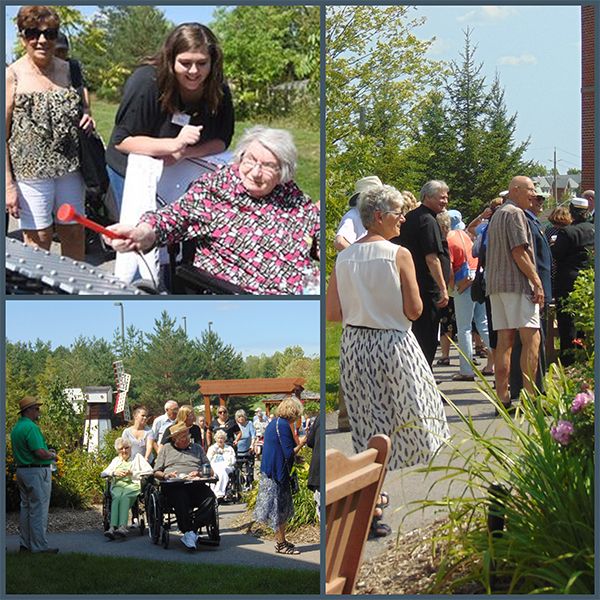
34,477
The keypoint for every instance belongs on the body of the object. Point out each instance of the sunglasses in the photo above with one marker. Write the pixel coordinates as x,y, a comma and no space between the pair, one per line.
222,412
33,33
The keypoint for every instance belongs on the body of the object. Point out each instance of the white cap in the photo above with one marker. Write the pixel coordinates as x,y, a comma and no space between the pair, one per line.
503,194
579,203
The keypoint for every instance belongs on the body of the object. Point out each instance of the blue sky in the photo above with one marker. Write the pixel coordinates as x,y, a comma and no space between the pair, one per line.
250,326
536,51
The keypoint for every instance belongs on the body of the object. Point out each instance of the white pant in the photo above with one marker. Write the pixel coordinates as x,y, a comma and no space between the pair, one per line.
40,199
222,471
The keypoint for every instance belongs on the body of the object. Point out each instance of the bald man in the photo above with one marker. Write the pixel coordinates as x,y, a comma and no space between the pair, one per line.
514,286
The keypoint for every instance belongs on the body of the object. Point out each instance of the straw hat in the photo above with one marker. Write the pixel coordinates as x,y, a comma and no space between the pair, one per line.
28,402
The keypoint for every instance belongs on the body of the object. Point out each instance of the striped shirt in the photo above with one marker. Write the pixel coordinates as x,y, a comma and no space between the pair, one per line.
507,229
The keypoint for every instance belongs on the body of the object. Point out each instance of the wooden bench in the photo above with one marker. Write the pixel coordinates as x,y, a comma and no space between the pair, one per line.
352,489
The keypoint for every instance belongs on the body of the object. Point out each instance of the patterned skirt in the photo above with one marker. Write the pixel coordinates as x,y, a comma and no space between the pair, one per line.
389,388
274,502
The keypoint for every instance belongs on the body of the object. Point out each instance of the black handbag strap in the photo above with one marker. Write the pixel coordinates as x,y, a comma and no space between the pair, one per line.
289,470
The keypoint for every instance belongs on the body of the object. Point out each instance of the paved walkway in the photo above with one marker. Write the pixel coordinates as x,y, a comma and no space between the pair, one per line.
236,547
406,485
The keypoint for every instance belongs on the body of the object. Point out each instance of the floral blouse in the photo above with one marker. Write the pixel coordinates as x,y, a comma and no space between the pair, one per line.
260,244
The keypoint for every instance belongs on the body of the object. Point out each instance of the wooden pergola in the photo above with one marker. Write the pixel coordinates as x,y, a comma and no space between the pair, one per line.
224,388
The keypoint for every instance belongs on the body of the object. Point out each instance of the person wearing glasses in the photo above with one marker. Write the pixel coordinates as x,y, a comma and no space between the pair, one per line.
225,423
34,478
43,115
139,435
176,105
253,225
388,384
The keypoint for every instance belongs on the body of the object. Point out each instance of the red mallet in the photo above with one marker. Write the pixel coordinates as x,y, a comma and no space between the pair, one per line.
67,213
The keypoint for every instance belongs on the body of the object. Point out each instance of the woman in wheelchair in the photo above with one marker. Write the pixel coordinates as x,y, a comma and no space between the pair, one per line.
253,226
179,464
222,461
126,475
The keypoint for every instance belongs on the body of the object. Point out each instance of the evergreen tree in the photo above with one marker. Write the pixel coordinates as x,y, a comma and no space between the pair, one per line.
217,360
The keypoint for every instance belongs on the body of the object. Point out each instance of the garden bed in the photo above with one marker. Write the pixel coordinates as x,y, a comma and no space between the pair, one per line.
61,520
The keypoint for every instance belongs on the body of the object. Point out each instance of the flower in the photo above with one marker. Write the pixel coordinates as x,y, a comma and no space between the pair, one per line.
562,432
580,402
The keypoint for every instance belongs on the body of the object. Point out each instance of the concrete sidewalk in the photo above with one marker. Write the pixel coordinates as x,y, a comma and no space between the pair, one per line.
406,485
236,547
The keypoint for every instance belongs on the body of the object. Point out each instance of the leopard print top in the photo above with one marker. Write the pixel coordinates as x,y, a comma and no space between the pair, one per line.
43,141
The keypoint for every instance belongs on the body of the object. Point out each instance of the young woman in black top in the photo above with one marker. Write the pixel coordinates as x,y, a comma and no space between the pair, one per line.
176,105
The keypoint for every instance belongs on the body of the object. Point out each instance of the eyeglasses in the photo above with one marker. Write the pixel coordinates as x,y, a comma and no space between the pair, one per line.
268,168
222,412
396,213
33,33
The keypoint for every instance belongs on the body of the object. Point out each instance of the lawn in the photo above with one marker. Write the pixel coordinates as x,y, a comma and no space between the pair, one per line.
307,141
333,333
85,574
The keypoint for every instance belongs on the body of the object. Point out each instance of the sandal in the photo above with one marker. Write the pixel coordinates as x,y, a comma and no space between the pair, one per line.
379,529
443,362
285,548
384,500
461,377
487,372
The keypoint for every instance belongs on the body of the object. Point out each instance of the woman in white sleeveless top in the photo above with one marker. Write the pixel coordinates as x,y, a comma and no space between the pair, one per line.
387,383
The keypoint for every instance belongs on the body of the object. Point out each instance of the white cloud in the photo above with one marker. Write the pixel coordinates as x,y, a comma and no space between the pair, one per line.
488,13
517,61
439,47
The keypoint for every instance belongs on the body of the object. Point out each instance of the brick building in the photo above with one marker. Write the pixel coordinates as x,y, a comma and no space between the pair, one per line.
587,96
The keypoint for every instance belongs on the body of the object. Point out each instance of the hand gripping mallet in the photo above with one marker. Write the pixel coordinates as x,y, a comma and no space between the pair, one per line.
67,213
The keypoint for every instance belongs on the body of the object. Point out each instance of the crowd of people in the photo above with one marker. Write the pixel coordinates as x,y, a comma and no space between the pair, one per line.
177,447
410,276
252,225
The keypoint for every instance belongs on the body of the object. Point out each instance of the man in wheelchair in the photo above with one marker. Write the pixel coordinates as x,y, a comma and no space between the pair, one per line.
179,466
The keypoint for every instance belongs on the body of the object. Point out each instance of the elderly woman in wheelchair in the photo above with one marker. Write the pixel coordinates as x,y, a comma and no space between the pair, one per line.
222,460
183,486
125,475
254,228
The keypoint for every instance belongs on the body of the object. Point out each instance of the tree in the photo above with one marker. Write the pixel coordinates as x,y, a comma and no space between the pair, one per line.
115,41
377,75
217,360
166,369
264,47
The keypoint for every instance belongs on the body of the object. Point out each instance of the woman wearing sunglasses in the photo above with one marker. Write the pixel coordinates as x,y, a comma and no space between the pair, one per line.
176,105
42,150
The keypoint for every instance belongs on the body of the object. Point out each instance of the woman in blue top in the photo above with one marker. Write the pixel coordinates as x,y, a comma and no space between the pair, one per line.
274,503
245,443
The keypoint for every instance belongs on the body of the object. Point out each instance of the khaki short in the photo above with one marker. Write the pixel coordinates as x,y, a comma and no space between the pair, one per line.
513,311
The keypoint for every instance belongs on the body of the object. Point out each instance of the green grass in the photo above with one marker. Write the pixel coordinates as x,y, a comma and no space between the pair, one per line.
88,574
307,141
333,333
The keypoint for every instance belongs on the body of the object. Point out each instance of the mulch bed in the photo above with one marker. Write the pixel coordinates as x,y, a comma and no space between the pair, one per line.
62,520
405,567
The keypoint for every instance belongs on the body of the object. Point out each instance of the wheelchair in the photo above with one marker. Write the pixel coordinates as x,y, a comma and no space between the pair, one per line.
137,510
160,515
242,478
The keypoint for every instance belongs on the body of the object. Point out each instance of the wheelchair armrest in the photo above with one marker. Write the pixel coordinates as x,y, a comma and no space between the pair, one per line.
199,280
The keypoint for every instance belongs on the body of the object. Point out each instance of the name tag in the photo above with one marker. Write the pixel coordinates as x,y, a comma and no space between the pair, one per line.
180,119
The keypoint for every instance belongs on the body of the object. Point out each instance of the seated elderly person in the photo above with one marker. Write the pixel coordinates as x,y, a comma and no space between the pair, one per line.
254,227
180,459
222,461
125,488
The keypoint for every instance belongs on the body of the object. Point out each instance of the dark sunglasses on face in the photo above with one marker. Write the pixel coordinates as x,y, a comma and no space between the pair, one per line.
33,33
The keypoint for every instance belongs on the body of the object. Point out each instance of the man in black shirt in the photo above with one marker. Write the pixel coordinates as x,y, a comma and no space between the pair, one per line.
422,236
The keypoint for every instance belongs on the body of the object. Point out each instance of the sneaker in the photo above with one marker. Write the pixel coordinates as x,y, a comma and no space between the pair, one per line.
48,551
189,540
122,531
110,533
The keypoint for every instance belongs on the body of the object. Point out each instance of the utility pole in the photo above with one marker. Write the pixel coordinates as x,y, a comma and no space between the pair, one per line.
555,178
184,325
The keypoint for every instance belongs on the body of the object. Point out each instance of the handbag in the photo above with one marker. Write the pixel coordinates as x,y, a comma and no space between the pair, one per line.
92,160
294,483
478,286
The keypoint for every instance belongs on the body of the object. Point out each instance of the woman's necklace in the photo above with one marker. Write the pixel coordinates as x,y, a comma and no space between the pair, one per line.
41,71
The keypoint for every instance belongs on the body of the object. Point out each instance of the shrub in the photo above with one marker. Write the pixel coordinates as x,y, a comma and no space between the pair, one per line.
542,473
77,483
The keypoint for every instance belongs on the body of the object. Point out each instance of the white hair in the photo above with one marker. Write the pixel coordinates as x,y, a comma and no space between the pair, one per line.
277,141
